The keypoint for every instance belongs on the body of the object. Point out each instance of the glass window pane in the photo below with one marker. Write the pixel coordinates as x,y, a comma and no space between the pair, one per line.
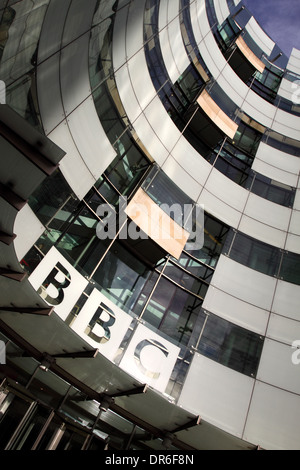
121,276
255,254
290,268
173,311
231,345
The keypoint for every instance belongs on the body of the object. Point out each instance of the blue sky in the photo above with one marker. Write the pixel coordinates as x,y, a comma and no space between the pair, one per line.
280,19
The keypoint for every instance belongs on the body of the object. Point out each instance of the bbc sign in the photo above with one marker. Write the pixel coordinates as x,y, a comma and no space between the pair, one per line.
148,357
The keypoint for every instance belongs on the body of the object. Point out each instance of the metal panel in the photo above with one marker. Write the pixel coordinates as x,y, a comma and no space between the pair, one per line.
295,223
282,128
229,192
119,42
274,173
150,140
288,123
220,395
283,329
277,165
244,283
190,160
50,104
232,86
222,10
173,9
74,73
126,92
287,300
135,28
259,36
90,138
276,366
163,14
236,311
162,124
28,229
268,212
72,166
219,209
167,55
141,81
292,243
259,109
278,158
262,232
288,90
53,26
294,61
273,410
180,177
179,53
78,21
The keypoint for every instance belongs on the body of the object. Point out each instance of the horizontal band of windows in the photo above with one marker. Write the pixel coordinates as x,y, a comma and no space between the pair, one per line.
228,344
263,257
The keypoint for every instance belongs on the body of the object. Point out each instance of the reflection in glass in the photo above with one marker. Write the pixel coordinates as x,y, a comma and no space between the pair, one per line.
172,311
255,254
230,345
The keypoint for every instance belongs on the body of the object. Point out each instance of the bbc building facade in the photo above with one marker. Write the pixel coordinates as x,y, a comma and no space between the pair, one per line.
113,338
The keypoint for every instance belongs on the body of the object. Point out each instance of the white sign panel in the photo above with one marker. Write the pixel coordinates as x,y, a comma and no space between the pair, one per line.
102,324
150,358
58,283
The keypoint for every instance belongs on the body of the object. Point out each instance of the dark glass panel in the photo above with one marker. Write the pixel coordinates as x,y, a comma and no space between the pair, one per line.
230,345
255,254
290,268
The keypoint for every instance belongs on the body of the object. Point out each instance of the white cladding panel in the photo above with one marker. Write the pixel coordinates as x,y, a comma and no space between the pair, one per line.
180,177
72,166
236,311
267,212
276,366
294,61
225,189
287,300
283,329
219,209
135,28
27,229
220,395
142,85
244,283
259,36
274,418
222,10
264,233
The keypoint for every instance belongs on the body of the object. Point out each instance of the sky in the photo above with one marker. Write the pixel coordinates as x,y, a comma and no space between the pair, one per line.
280,19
